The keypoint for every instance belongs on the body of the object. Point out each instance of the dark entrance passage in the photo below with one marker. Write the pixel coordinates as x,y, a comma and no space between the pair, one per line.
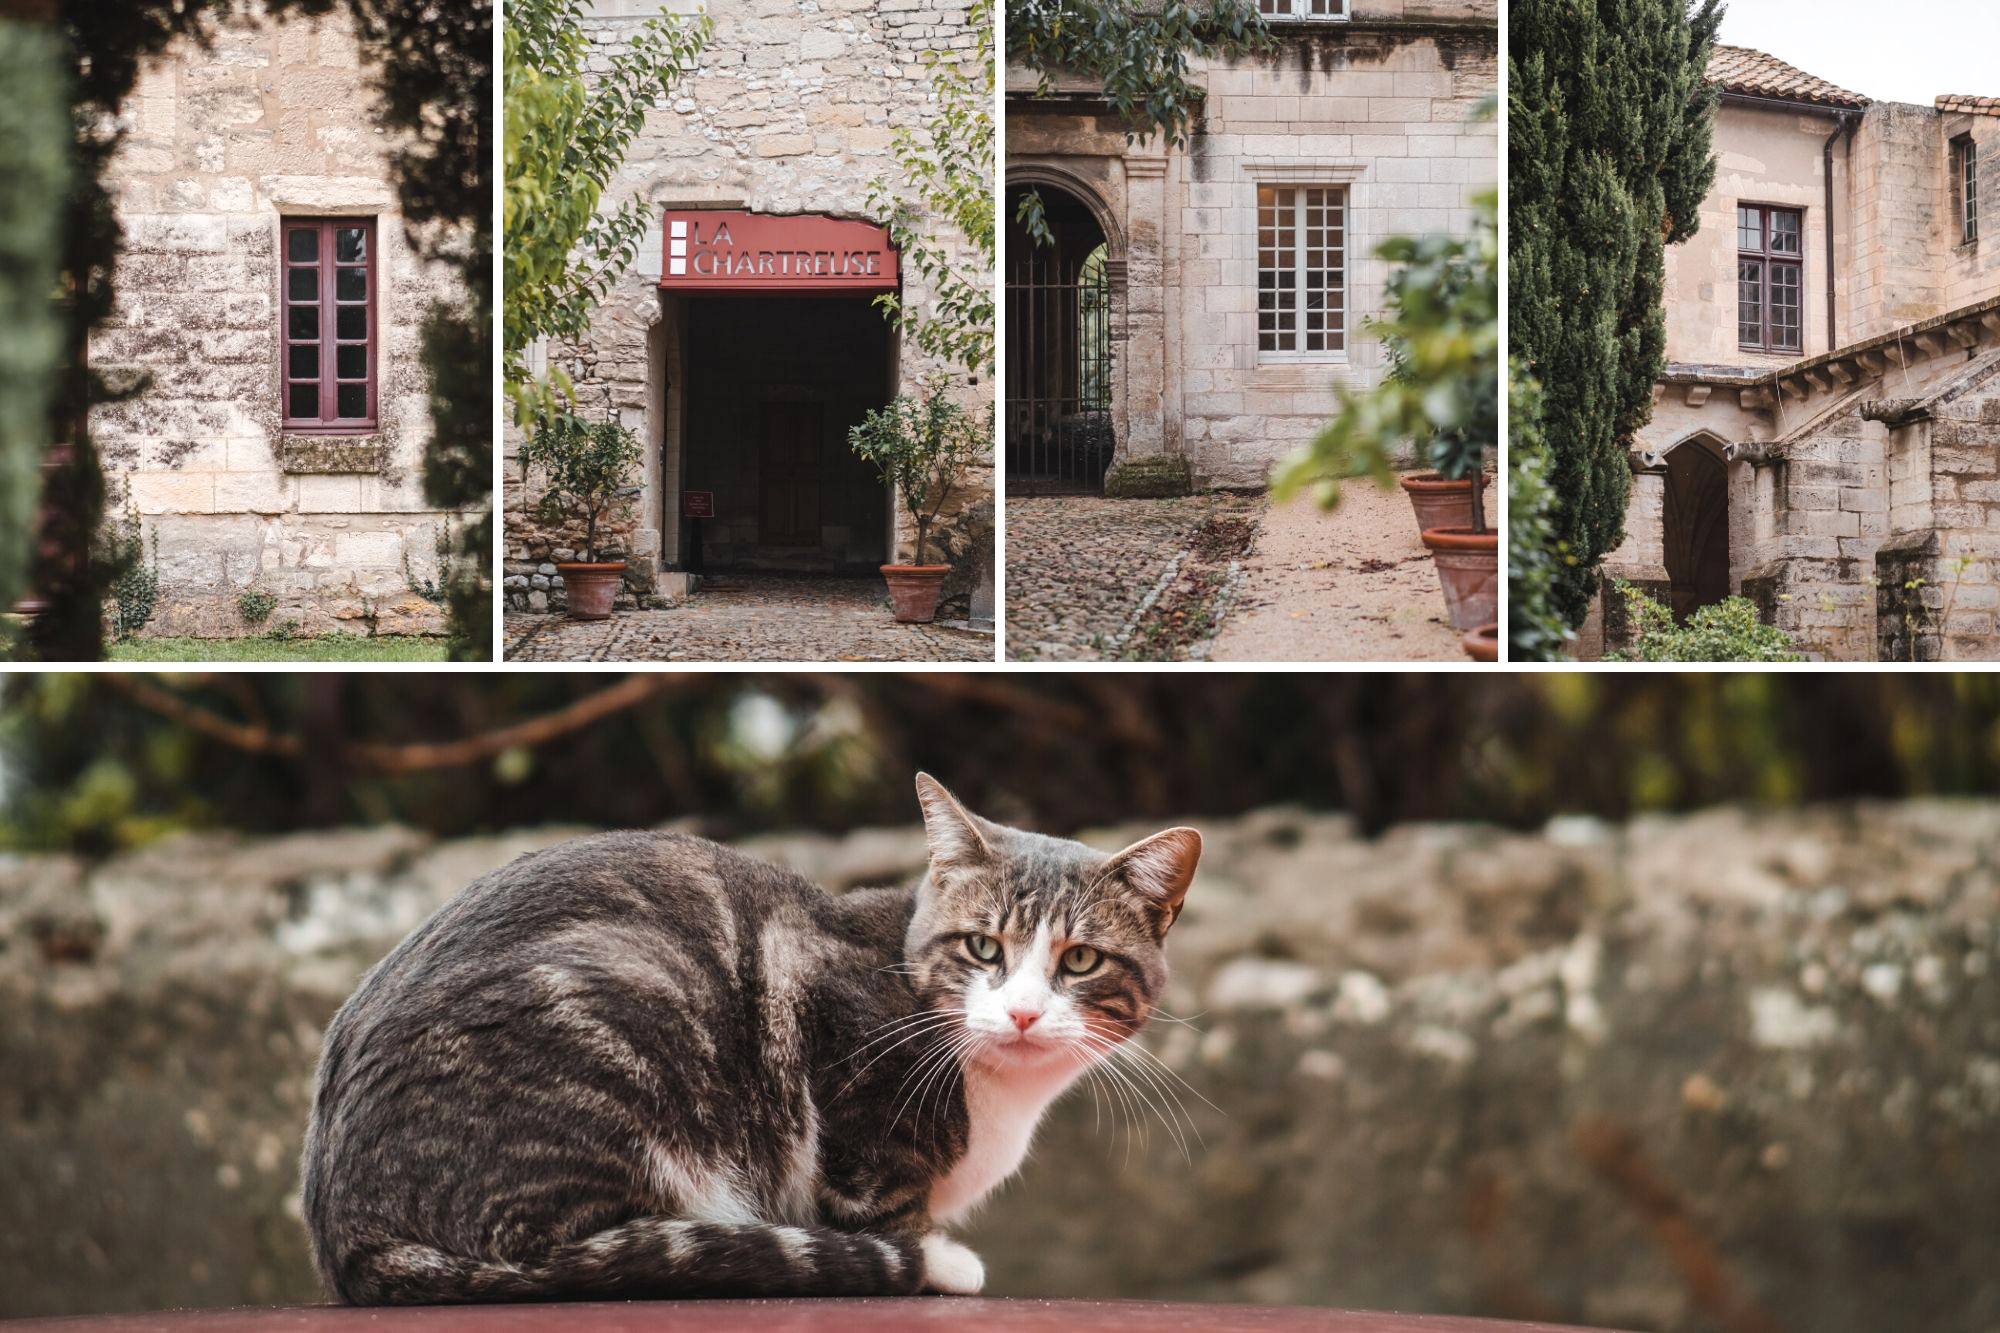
1697,528
773,384
1059,434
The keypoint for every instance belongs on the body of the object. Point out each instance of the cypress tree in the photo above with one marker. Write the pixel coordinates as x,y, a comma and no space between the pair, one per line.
1608,136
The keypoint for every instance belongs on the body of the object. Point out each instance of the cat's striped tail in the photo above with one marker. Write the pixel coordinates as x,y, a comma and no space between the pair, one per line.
662,1258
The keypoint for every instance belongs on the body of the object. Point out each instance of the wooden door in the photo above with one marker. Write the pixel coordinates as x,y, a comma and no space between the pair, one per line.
788,475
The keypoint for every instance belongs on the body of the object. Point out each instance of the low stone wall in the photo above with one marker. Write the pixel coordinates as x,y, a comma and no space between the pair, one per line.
1731,1071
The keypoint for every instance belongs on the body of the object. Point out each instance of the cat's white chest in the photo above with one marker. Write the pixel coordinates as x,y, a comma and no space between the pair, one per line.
1003,1113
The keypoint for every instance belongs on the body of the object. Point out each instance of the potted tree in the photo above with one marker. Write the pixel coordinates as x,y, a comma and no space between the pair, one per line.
1443,334
583,465
1467,555
922,447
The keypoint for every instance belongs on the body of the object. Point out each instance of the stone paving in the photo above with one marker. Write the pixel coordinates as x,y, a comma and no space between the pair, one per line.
1079,567
750,619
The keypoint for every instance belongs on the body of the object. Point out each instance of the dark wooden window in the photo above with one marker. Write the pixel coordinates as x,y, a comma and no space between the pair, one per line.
1770,278
329,330
1965,187
1301,271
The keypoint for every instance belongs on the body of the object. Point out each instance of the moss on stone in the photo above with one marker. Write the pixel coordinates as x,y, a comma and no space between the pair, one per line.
330,453
1149,478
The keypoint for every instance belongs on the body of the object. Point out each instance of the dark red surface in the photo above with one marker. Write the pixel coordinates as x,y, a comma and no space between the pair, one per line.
749,253
832,1316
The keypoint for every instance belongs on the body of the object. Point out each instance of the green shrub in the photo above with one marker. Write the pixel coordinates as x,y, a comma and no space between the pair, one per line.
1728,631
256,606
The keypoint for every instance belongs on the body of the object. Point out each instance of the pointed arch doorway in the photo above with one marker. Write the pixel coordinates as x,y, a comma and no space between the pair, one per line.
1696,526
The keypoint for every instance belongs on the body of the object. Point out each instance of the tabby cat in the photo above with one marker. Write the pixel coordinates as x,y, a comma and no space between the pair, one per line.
644,1065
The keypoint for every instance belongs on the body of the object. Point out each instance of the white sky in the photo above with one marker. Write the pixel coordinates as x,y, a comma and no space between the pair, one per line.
1902,51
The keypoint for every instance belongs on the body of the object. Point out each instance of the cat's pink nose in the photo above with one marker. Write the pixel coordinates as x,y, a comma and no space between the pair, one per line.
1023,1018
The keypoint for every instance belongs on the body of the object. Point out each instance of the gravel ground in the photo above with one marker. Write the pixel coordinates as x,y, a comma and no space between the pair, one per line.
750,619
1079,567
1353,585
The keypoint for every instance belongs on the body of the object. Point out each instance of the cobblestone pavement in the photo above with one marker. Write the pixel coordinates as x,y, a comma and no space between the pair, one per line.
1079,567
1353,585
750,619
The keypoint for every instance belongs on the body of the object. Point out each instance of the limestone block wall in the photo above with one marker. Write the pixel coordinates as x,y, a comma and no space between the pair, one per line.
276,120
1899,205
789,111
1387,114
1937,578
1971,273
1763,156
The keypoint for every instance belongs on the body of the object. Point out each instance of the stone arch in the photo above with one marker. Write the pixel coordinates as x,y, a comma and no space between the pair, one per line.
1079,187
1695,522
1064,317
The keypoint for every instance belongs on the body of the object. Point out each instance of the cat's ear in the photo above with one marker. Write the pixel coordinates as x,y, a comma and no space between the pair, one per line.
954,838
1159,869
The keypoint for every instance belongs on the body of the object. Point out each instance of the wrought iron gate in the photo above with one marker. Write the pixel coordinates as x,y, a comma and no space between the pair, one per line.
1059,433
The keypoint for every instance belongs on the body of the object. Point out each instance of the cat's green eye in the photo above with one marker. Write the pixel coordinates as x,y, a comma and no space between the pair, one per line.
984,948
1079,959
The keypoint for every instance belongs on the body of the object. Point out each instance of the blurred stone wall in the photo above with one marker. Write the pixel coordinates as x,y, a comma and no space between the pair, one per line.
1735,1071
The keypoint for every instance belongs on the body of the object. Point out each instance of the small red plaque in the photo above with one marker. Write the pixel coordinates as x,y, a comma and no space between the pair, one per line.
714,251
697,504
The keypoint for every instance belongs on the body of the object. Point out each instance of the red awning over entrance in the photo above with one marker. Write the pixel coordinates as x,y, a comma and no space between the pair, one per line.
756,253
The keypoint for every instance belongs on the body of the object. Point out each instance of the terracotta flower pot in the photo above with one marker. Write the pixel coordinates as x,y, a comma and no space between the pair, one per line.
1483,644
1440,503
591,588
1468,565
915,589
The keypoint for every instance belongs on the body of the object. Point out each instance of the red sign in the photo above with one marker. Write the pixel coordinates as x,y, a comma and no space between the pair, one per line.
697,504
711,251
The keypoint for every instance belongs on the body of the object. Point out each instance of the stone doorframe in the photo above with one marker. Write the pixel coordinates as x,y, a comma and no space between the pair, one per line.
1138,342
1748,494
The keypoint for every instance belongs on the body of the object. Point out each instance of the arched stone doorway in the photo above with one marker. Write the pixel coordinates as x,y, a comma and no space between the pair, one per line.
1696,525
1059,407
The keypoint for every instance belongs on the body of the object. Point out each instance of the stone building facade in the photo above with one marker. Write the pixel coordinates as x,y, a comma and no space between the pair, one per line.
742,381
270,293
1199,304
1826,437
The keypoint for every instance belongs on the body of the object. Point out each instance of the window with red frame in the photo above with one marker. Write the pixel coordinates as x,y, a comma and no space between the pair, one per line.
329,329
1770,278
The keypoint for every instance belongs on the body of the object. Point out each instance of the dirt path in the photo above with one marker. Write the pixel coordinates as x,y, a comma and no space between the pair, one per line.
1354,585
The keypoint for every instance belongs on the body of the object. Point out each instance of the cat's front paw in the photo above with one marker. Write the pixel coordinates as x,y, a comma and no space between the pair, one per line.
951,1268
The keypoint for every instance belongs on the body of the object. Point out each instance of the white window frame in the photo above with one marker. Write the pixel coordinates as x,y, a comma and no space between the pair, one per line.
1336,326
1335,11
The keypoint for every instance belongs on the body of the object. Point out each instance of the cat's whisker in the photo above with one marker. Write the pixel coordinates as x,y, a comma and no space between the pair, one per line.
905,1038
1166,1091
951,1069
1145,1093
900,1026
1143,1052
945,1052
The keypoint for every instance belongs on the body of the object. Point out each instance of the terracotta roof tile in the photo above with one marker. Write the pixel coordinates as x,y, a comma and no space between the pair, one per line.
1741,70
1983,106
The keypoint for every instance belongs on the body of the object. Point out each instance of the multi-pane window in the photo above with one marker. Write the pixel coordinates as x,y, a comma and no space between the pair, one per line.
1303,9
329,331
1301,270
1770,278
1965,187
